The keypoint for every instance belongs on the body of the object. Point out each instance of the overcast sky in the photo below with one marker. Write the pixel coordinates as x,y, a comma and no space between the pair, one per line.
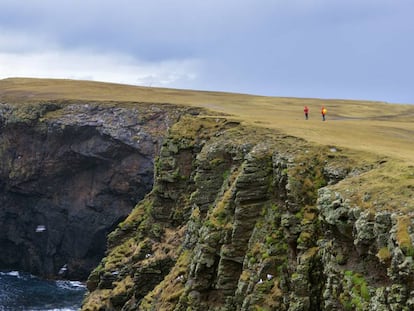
352,49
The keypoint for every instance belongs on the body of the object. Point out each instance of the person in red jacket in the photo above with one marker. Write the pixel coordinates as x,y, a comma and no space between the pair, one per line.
306,111
323,112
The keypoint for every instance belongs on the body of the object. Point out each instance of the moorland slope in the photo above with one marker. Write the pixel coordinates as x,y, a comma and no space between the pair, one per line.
377,127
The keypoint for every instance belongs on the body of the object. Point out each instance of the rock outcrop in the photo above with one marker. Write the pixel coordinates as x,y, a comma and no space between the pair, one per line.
248,219
70,172
227,216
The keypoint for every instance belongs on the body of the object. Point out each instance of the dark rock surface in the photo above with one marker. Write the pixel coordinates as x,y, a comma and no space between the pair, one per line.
70,172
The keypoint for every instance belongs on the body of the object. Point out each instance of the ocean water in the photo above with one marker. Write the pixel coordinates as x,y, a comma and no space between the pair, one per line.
24,292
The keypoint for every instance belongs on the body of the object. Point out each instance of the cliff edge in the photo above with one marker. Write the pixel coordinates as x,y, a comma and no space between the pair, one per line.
242,218
184,200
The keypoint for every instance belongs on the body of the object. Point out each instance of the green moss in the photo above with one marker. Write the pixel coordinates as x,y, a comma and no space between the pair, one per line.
216,162
94,278
270,239
222,211
31,112
307,176
252,260
299,215
167,294
156,230
226,174
138,215
120,255
357,294
97,300
265,255
304,238
122,292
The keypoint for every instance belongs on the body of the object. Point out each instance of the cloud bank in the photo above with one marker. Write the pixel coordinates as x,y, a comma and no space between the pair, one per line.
86,65
302,48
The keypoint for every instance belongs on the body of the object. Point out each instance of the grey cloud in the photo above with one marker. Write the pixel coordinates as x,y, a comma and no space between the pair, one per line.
319,48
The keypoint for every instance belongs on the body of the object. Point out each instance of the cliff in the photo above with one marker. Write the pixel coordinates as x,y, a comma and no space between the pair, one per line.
70,172
175,207
251,219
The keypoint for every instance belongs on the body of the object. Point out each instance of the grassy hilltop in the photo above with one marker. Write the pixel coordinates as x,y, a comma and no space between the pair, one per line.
370,131
252,206
377,127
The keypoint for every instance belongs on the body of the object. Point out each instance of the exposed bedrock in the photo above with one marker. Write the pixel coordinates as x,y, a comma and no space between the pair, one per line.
242,218
70,172
227,216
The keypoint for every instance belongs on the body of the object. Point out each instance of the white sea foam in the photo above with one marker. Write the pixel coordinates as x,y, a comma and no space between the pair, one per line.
77,284
71,285
11,273
55,309
23,291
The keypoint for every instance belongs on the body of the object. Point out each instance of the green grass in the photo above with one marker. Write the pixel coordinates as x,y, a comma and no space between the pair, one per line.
375,139
364,131
387,186
385,129
359,294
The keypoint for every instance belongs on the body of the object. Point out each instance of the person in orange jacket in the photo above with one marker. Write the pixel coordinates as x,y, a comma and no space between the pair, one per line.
323,112
306,111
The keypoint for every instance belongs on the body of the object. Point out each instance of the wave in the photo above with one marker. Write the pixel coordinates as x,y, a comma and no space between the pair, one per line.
11,273
70,285
21,291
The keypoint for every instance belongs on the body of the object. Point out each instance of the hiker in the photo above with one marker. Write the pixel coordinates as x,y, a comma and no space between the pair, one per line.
323,112
306,111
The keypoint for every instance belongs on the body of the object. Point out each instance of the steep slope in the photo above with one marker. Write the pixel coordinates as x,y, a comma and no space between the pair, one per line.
240,209
70,172
244,218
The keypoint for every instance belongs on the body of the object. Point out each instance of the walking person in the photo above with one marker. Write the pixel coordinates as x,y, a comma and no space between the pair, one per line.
323,112
306,111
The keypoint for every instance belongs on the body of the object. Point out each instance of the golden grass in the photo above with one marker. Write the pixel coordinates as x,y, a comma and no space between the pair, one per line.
403,235
166,294
381,128
95,300
384,255
390,186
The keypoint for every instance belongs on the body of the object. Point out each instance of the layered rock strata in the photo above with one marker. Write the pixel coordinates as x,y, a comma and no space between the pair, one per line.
248,219
227,216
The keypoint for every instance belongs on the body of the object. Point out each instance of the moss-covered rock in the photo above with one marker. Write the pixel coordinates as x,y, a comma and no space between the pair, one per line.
237,223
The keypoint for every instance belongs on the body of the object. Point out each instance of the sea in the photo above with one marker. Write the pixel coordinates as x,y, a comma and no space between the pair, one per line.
24,292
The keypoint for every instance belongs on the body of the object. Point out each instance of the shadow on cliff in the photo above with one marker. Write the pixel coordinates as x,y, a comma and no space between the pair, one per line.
69,175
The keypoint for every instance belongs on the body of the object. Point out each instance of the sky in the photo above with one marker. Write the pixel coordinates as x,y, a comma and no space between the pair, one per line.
343,49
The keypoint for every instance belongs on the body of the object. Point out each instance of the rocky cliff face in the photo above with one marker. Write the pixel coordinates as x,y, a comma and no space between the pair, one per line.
237,217
70,172
247,219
